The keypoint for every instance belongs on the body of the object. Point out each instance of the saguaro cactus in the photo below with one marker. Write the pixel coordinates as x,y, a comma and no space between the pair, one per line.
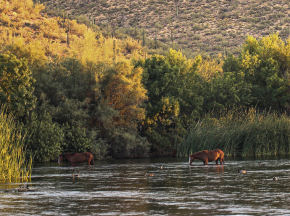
177,7
67,34
143,38
114,51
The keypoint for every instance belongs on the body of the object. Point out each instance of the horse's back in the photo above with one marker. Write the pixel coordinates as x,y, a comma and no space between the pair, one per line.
88,154
79,157
215,154
208,156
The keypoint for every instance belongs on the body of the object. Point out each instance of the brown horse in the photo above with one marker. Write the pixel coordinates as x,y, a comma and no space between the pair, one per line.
208,156
74,158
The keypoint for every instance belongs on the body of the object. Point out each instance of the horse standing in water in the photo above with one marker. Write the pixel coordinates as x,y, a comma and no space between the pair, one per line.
74,158
208,156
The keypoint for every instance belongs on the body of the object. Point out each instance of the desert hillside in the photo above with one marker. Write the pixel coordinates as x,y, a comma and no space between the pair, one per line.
194,25
24,25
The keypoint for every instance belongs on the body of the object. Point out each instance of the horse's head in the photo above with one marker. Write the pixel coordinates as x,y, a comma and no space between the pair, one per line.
191,158
60,158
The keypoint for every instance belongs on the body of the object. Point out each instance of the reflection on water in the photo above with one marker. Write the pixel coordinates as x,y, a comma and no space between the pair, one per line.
154,188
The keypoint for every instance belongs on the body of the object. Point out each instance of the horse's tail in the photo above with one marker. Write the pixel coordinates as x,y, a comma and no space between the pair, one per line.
60,159
91,158
222,155
191,158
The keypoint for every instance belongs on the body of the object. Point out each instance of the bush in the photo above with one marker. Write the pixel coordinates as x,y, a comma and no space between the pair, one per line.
76,139
126,144
45,138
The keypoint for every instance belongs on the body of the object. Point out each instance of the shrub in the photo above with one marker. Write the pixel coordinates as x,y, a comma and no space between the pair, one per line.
45,138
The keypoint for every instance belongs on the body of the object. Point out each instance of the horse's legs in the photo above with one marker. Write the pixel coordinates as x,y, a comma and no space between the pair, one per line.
205,162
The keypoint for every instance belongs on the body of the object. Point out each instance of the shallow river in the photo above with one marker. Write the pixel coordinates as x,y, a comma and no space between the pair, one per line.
144,187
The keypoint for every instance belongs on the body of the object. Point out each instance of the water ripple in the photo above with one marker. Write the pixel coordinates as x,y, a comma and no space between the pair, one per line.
144,188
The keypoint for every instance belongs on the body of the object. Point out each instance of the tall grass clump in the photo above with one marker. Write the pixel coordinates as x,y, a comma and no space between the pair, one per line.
14,167
240,133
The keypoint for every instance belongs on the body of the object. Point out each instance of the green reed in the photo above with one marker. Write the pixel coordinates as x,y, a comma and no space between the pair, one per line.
240,133
14,166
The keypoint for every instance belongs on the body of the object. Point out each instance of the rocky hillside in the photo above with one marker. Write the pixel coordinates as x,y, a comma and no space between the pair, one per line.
210,26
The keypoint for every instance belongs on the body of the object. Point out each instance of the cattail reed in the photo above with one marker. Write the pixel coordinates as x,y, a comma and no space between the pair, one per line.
14,166
240,133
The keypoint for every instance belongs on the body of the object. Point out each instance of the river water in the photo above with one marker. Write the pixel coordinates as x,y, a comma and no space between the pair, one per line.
162,187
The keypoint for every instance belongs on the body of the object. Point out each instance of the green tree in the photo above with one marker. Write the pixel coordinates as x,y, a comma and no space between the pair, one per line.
16,86
225,91
265,63
174,98
45,138
66,93
122,111
175,77
124,92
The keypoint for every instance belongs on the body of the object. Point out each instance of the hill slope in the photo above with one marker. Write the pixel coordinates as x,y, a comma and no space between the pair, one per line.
195,25
26,28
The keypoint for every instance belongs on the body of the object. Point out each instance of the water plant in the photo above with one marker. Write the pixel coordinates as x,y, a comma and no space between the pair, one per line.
14,166
240,133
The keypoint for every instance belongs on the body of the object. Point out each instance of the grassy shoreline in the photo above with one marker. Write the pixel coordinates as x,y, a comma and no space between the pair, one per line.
240,134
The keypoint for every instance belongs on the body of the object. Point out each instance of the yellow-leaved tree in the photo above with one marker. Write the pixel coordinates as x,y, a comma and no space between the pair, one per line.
125,93
123,98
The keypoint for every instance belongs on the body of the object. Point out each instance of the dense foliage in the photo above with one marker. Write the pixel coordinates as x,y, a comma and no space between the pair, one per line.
74,90
174,99
16,86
